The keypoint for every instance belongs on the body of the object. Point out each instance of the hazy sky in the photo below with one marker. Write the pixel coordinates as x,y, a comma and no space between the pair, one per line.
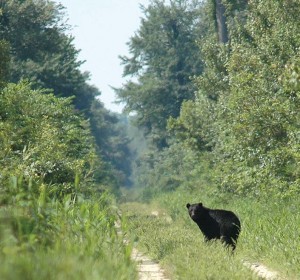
101,29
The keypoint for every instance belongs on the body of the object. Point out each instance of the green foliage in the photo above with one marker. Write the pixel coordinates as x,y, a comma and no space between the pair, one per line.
165,171
159,60
246,109
110,131
4,62
42,137
43,238
260,114
41,51
194,125
40,20
158,172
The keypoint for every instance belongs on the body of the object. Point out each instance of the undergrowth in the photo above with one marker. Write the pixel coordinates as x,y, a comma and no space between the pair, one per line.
70,238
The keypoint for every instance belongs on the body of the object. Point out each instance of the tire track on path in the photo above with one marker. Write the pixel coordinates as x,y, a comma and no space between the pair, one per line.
262,271
147,268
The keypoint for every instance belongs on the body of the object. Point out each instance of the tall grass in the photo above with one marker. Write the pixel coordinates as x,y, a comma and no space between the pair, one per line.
270,235
73,238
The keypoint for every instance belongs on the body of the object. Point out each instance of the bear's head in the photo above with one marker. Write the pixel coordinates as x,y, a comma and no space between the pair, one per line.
195,210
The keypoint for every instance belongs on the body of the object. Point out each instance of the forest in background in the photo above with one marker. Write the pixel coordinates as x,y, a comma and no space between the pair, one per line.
218,79
216,90
212,85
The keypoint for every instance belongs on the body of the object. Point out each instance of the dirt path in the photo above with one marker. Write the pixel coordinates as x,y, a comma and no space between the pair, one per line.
150,270
147,268
262,271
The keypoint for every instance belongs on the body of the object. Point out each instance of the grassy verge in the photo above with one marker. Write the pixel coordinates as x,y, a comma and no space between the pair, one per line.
63,240
270,235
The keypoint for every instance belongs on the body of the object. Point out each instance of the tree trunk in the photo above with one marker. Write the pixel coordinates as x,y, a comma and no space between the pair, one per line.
221,22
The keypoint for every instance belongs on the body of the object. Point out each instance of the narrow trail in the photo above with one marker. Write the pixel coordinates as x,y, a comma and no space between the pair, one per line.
147,268
262,271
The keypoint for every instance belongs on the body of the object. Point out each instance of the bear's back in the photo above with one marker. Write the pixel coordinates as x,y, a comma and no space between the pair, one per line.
224,217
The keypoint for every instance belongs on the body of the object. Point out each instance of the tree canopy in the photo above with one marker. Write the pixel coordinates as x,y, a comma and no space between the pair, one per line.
242,126
252,122
163,58
36,42
41,50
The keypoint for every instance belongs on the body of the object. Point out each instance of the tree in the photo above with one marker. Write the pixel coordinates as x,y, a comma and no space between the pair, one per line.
110,131
245,117
43,139
263,109
257,115
223,12
221,21
4,62
41,51
195,126
164,57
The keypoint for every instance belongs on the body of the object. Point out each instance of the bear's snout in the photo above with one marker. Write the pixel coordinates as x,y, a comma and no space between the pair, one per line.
192,214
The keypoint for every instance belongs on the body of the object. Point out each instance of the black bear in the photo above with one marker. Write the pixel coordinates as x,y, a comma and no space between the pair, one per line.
216,224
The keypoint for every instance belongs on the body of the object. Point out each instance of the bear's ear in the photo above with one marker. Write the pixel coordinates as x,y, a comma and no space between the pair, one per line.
200,204
188,206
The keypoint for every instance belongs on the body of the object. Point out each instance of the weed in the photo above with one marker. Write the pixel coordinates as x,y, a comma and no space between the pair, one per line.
43,238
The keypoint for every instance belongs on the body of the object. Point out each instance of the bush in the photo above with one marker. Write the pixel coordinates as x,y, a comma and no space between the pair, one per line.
42,138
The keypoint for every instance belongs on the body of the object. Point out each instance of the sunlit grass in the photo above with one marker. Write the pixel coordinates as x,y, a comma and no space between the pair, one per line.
179,246
68,239
60,265
270,235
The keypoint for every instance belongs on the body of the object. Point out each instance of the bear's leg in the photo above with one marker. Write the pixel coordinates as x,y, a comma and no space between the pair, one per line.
228,242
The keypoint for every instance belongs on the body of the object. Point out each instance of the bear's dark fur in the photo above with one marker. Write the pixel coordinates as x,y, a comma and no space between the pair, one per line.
216,224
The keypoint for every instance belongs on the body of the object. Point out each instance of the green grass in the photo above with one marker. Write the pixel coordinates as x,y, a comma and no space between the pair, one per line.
58,265
64,240
270,235
42,238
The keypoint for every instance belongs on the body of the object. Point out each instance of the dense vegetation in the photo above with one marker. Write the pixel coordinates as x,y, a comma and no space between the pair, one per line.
243,120
63,155
161,65
214,90
42,51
